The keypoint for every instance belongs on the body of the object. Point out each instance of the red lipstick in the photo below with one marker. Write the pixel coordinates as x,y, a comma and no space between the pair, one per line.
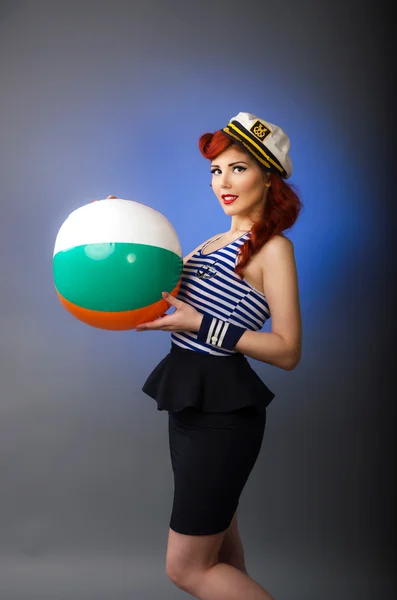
228,198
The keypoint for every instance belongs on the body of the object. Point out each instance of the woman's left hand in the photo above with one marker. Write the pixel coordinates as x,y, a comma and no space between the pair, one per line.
185,317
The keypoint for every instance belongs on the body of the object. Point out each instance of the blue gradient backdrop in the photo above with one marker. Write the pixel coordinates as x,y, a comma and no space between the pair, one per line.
100,98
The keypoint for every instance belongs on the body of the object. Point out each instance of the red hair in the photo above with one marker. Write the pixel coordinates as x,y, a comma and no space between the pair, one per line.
282,204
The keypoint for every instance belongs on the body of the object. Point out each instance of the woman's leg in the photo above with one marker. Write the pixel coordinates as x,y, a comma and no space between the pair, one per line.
232,552
192,565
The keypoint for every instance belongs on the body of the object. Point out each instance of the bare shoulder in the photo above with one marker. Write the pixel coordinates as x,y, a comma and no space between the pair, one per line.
277,261
279,246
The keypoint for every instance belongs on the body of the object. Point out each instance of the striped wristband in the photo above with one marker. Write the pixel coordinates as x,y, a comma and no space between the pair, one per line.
219,333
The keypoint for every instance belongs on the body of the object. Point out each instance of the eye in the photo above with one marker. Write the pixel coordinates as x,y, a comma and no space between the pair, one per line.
239,167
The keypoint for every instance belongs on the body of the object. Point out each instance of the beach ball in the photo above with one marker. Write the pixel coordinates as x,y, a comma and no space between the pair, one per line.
111,261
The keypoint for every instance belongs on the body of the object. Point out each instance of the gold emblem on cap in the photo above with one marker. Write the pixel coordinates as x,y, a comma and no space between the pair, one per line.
260,130
258,151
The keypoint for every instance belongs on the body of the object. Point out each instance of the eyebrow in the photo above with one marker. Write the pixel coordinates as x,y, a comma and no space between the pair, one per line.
233,163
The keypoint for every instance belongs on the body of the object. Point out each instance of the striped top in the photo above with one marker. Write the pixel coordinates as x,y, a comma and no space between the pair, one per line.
210,284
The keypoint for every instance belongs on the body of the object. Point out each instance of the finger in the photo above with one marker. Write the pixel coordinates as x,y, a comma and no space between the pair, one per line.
111,197
143,326
156,324
172,300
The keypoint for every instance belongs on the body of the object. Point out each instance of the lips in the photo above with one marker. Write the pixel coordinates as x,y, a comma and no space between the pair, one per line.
228,198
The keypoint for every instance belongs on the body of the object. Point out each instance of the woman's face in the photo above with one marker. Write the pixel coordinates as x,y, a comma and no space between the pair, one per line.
239,183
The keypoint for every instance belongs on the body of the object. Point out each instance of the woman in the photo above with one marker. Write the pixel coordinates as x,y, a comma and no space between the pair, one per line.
216,403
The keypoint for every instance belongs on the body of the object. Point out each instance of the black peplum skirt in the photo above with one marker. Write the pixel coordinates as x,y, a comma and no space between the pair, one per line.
207,382
216,421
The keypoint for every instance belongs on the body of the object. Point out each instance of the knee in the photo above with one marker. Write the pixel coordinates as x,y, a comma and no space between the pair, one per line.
175,572
180,575
180,580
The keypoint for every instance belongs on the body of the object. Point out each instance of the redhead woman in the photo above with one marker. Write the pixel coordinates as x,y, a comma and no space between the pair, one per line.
231,285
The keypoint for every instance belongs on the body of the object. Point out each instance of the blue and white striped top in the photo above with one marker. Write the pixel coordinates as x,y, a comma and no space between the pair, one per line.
210,284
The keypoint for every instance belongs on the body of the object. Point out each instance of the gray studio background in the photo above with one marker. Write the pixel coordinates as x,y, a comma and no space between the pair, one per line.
100,98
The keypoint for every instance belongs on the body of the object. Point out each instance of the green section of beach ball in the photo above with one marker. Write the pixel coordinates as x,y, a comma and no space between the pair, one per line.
116,276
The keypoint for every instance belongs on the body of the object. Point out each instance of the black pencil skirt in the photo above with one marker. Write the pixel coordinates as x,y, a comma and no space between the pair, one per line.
216,422
212,456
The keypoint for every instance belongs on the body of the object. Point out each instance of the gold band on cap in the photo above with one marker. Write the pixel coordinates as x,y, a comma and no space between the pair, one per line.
256,150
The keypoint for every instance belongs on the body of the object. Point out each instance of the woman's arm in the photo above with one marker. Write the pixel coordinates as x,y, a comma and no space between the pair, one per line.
282,347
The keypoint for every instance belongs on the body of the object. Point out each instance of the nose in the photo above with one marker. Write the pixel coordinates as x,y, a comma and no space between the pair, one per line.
225,181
